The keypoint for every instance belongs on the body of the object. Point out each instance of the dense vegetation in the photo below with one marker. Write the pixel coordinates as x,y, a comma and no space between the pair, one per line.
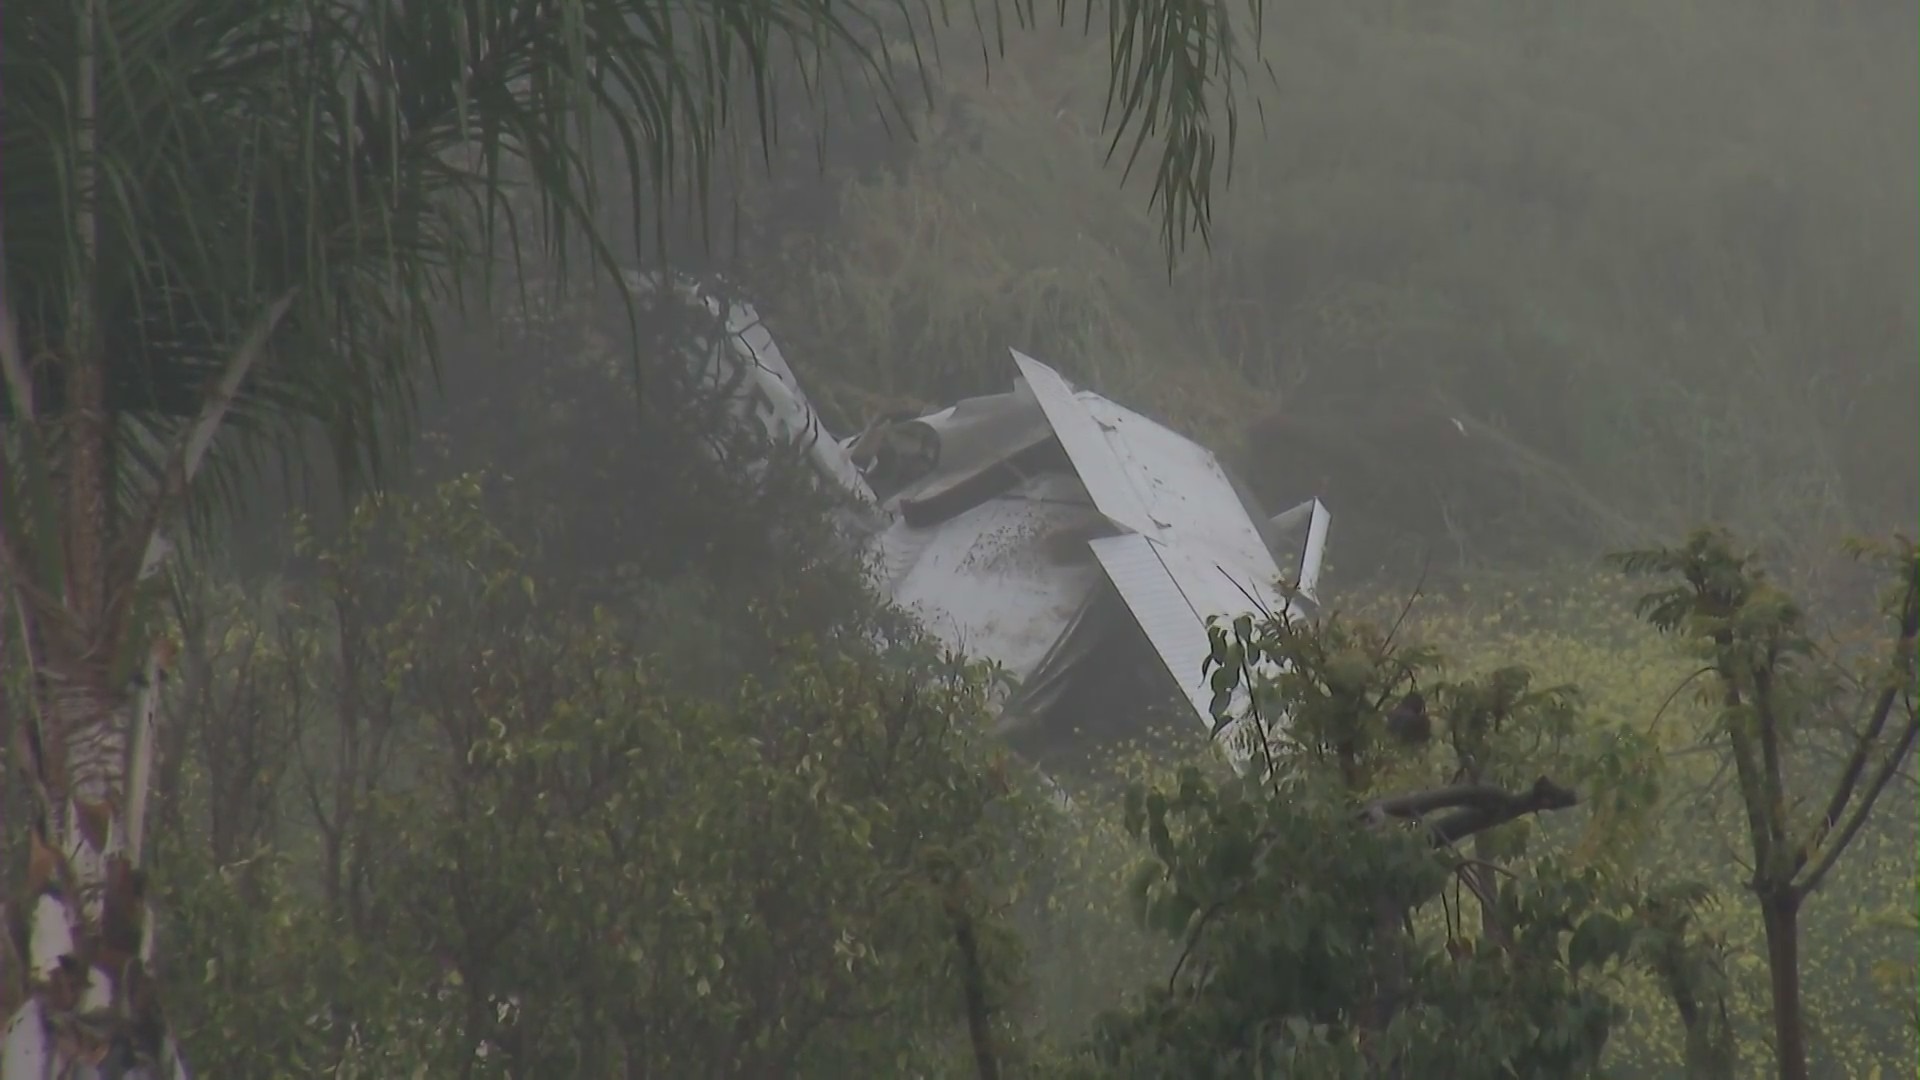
673,814
414,770
1657,261
573,749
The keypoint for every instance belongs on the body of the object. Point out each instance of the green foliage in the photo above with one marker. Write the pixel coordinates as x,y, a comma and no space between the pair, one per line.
277,989
1657,263
1087,950
623,831
1687,986
657,509
1576,627
238,194
510,830
1776,696
1320,940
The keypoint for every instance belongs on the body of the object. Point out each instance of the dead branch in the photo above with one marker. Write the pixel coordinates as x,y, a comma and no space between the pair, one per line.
1475,807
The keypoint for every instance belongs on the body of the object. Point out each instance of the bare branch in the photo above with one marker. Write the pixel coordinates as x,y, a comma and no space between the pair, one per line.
1477,796
1675,694
1419,590
1476,807
1858,820
1864,743
1193,937
1468,863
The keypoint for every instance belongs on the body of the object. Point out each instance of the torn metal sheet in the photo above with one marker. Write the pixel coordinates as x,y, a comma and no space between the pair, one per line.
1138,570
1173,594
784,410
1003,520
1187,547
1097,462
1184,489
1312,520
767,394
999,580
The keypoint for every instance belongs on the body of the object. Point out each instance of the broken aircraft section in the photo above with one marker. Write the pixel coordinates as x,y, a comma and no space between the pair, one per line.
1075,542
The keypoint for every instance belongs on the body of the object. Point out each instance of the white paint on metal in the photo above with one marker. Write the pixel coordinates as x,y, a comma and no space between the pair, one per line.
1098,464
1183,487
979,432
1313,551
984,581
1190,551
1165,614
790,416
1172,594
998,580
770,394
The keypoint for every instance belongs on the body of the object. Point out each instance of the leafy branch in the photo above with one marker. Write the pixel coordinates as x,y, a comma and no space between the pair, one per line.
1773,682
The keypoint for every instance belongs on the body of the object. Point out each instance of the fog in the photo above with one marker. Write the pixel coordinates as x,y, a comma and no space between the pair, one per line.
581,718
1497,285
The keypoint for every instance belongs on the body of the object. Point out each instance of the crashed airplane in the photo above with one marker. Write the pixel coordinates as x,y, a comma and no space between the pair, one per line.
1075,542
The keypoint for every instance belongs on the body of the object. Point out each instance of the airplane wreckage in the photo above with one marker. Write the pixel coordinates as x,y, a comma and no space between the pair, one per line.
1075,542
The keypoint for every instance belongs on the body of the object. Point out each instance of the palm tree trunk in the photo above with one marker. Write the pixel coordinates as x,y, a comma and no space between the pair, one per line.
85,993
84,997
89,1007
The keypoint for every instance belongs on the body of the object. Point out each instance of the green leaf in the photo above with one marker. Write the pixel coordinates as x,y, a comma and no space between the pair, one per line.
1599,939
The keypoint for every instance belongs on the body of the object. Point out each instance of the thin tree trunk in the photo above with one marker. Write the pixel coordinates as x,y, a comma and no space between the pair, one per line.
973,983
1780,914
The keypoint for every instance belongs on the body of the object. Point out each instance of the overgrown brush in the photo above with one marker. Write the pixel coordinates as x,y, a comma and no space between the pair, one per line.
1656,262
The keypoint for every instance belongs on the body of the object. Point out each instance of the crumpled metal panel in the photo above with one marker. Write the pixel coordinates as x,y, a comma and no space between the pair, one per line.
1098,463
978,432
771,395
792,416
996,579
1151,479
1163,611
981,582
985,581
1172,593
1196,552
1184,489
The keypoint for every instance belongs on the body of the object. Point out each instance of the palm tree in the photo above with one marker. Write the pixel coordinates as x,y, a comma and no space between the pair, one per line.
227,221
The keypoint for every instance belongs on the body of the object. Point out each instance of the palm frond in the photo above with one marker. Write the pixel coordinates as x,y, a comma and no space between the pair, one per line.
372,158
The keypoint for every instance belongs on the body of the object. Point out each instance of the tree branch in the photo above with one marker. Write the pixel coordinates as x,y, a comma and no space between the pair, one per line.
1858,820
1476,807
1864,743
